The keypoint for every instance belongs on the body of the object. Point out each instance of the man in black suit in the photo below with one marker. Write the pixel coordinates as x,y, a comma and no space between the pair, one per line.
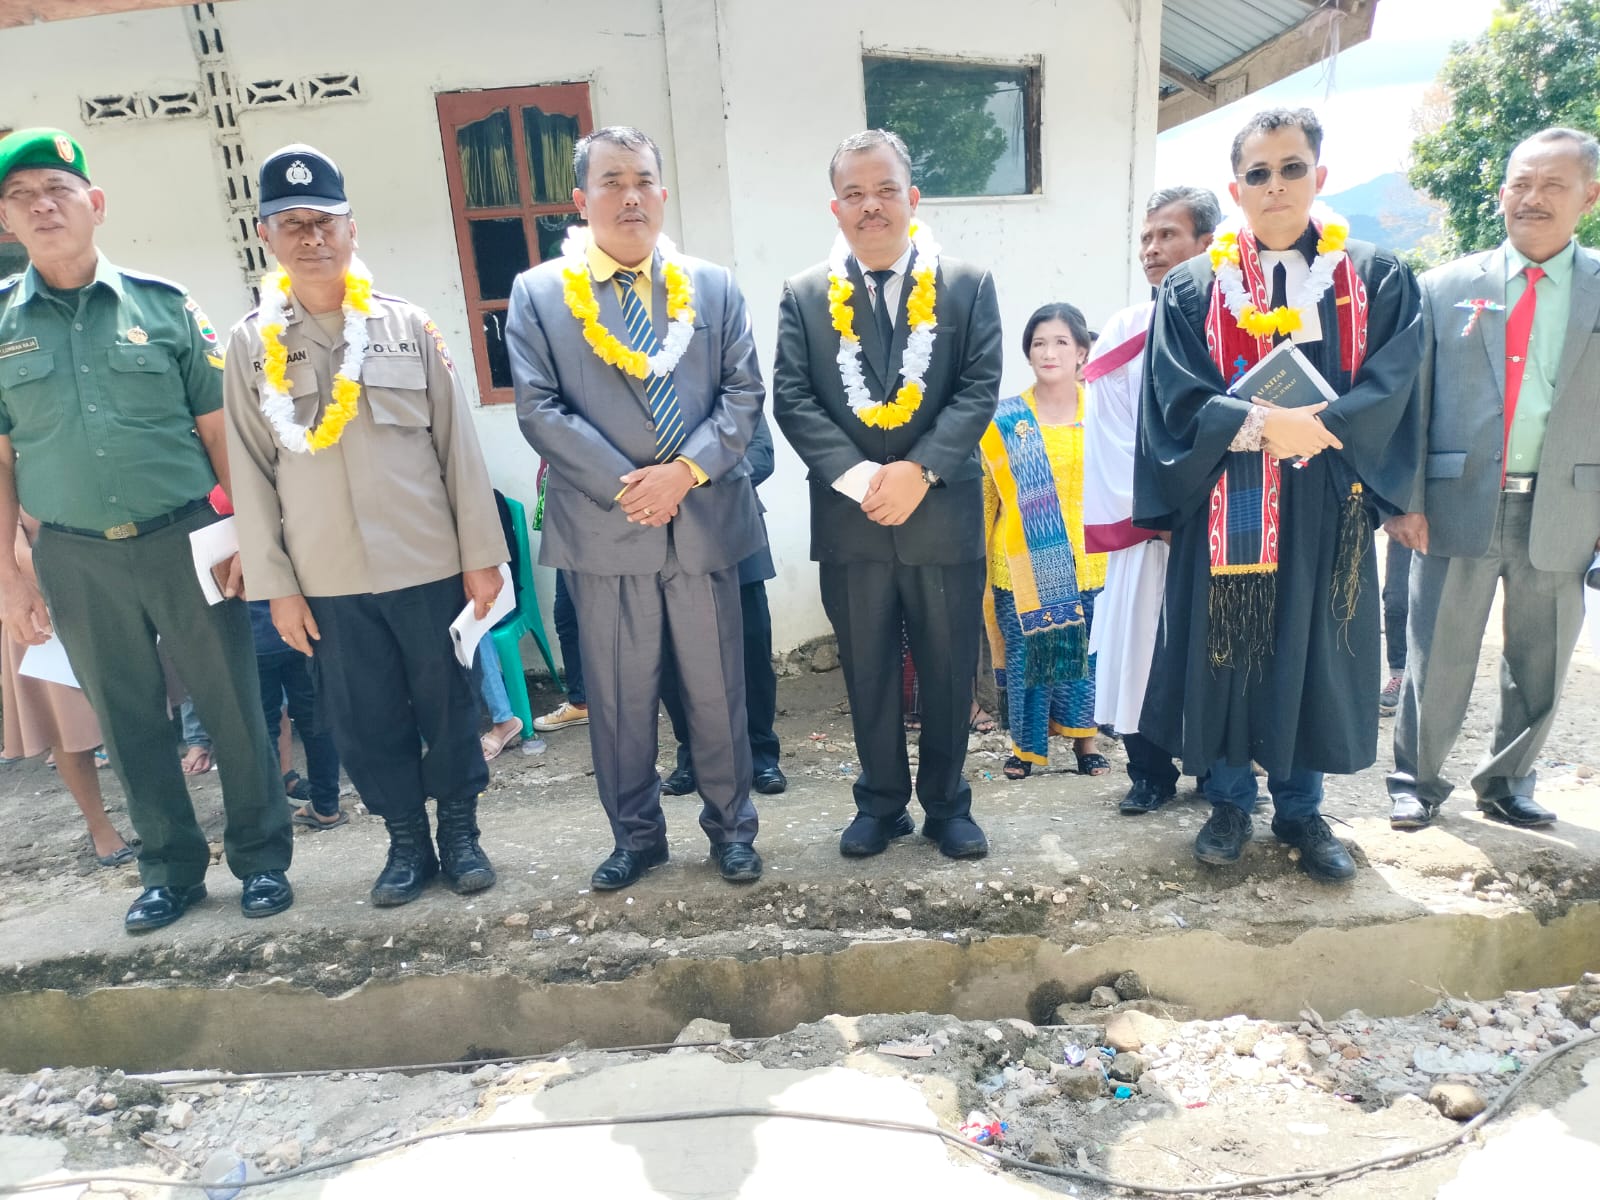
887,374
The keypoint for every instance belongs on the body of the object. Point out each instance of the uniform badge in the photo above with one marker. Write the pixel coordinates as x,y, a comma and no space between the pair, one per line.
298,174
137,336
64,148
202,322
432,331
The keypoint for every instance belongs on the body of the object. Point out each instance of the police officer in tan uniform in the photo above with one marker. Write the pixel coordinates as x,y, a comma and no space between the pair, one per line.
366,517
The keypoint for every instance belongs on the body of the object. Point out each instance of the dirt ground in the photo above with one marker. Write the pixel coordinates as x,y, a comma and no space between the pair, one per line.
1071,893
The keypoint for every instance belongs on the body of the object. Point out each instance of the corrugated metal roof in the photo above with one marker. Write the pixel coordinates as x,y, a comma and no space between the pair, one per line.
1199,36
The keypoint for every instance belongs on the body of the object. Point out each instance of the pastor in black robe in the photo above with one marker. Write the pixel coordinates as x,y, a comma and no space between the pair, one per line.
1311,701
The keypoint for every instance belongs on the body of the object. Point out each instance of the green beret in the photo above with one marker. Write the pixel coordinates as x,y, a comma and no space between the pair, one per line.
47,149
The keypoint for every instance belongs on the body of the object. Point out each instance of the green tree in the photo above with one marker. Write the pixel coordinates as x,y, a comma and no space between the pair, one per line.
941,112
1537,65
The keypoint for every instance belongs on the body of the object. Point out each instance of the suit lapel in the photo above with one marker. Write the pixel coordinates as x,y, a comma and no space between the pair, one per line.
1581,317
1491,285
611,318
867,330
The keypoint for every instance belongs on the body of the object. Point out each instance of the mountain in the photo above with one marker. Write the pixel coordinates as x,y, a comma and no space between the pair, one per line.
1386,210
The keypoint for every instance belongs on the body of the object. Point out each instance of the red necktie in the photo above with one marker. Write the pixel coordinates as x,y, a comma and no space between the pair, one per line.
1519,328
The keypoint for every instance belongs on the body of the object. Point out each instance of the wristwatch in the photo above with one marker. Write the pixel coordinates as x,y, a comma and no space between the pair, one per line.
930,477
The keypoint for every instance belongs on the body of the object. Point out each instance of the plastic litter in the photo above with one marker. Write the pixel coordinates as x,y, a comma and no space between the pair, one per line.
983,1131
1441,1060
222,1174
533,745
1123,1092
1074,1055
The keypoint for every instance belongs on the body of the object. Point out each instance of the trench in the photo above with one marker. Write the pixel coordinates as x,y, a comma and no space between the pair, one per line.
1384,969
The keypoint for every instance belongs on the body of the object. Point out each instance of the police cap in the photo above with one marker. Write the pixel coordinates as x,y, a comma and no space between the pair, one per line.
301,176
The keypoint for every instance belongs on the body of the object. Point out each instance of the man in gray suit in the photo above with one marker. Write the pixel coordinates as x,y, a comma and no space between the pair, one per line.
1510,490
896,486
636,379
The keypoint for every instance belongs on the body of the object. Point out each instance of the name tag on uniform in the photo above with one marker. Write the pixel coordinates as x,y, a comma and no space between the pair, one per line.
21,347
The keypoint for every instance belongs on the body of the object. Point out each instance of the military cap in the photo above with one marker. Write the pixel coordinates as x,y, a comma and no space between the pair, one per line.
300,176
46,149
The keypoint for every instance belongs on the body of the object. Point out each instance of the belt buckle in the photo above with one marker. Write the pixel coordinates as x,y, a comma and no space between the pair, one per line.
121,532
1518,485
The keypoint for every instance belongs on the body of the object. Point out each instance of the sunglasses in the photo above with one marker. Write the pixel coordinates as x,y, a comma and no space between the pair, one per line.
1290,171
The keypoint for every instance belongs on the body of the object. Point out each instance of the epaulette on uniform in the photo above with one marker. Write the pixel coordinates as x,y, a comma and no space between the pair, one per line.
9,282
146,277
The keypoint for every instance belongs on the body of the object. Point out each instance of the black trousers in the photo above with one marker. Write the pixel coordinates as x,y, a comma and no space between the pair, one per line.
941,611
402,710
286,675
1149,762
1396,592
760,684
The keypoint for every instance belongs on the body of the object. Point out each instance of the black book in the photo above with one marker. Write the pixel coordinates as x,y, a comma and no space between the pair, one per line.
1285,378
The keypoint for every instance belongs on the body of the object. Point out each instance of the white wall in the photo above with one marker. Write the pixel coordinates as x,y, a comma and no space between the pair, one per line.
746,97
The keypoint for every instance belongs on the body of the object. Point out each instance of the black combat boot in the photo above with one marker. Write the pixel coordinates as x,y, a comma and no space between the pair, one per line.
411,861
466,867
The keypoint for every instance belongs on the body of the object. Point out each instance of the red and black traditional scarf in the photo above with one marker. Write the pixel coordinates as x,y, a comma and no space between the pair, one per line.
1243,520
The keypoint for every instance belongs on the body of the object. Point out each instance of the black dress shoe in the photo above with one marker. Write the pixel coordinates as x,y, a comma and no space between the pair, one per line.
160,906
1408,812
958,837
737,861
624,867
680,783
1144,797
770,781
1322,856
868,835
265,893
1520,811
1222,838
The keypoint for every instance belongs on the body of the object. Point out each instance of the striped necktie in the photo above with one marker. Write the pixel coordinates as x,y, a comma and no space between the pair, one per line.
663,397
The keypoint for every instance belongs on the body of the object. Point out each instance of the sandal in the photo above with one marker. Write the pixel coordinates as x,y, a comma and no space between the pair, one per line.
1093,763
197,760
117,857
295,787
494,744
980,721
1015,768
308,817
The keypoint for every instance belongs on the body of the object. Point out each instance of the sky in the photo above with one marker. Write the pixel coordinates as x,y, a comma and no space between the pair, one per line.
1365,101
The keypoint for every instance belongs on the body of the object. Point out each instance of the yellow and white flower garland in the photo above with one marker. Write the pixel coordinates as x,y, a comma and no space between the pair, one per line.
578,291
276,403
1287,319
893,413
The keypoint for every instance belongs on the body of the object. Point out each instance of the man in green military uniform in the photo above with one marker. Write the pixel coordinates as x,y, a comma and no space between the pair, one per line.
111,434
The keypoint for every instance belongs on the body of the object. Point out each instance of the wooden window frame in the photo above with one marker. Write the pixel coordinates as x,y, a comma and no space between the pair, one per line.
456,109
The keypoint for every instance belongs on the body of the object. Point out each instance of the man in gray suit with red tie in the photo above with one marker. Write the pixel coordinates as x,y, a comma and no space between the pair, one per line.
1509,494
887,374
636,379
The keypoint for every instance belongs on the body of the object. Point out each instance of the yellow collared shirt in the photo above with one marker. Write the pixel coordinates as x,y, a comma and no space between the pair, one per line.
603,267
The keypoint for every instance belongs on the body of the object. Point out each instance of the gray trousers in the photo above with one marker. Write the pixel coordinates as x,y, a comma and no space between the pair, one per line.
623,621
1542,616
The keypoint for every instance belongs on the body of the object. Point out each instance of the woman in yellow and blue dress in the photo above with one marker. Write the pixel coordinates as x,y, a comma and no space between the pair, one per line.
1042,582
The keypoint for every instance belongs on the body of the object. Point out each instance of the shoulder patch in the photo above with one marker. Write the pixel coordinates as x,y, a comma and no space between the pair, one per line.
216,360
201,322
157,280
432,331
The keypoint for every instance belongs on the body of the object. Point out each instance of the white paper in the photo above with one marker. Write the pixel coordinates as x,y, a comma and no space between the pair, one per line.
853,483
1591,603
49,663
210,545
466,631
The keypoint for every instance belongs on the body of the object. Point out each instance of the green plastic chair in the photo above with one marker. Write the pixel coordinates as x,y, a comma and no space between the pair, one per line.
525,619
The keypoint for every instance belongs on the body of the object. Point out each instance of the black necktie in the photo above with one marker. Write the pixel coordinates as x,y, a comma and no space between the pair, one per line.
1280,293
881,315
